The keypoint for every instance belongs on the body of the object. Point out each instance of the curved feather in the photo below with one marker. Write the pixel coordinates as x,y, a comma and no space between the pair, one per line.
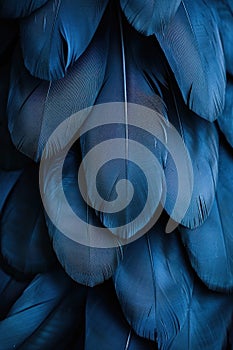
225,12
225,120
86,265
8,179
25,243
54,334
132,85
106,327
210,246
209,314
33,308
55,36
10,290
36,107
22,8
200,138
192,45
154,286
151,15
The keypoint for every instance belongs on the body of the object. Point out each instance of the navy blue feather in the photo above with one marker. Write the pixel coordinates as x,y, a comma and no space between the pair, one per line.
225,120
25,244
192,45
201,140
207,323
151,15
22,8
210,246
224,10
33,308
106,327
36,107
8,179
154,286
86,265
55,36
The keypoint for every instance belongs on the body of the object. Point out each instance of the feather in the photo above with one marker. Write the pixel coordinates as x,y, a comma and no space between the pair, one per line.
105,325
210,246
55,36
33,308
22,8
200,138
192,45
154,286
224,10
225,120
54,334
8,179
10,158
86,265
207,322
120,159
149,16
10,290
56,101
25,243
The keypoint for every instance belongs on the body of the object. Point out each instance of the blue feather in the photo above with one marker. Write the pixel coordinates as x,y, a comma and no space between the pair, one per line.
225,120
25,244
154,286
106,327
192,45
55,36
86,265
151,15
36,107
210,246
33,308
201,140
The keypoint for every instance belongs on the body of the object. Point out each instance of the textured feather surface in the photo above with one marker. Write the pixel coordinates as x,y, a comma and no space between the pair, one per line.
201,140
192,46
25,243
207,322
106,327
133,85
225,12
86,265
33,308
225,120
210,246
56,35
22,8
151,15
154,286
56,101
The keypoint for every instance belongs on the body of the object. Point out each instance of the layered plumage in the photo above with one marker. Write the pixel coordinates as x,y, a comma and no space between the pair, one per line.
165,291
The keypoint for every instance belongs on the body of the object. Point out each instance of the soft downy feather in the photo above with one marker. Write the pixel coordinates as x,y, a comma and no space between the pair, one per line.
210,246
37,107
25,244
56,35
154,286
192,45
149,16
106,327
